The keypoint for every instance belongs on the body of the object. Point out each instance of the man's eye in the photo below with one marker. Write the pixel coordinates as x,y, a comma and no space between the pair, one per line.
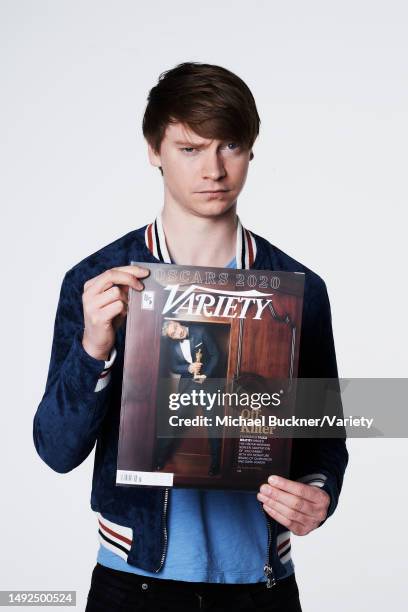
188,149
232,146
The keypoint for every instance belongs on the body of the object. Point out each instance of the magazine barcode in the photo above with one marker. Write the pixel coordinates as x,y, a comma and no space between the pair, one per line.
128,478
160,479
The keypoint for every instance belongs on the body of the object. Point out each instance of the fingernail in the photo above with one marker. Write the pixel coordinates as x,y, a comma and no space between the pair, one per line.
265,489
273,480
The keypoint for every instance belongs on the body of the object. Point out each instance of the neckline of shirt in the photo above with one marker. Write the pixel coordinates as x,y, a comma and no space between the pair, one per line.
246,248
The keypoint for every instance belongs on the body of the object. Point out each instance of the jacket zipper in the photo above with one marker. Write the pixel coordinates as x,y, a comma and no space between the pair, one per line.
166,498
268,569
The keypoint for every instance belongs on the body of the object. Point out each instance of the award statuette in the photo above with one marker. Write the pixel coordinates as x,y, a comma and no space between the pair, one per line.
199,378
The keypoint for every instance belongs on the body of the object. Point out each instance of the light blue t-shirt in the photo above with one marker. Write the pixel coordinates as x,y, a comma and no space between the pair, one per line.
213,536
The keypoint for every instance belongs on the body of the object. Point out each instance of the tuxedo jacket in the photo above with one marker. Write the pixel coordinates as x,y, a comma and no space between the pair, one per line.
199,338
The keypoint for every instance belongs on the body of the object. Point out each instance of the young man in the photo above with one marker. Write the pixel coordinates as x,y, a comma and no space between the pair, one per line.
184,548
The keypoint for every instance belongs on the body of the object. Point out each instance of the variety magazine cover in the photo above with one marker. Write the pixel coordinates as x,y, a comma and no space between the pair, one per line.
210,355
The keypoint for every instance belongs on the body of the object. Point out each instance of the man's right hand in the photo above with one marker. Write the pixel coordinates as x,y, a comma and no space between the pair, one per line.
105,304
194,368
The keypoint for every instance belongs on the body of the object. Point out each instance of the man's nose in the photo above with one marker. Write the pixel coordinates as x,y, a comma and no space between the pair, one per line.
213,166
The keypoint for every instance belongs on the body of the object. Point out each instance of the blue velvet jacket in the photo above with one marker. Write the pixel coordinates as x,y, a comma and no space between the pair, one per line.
72,417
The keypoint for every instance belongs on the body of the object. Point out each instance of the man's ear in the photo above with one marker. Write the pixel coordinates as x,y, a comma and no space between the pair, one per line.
154,157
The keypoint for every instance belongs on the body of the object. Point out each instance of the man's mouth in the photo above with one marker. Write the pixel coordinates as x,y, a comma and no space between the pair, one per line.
215,191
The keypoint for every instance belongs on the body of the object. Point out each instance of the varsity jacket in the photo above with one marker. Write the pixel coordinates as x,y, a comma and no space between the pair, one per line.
80,407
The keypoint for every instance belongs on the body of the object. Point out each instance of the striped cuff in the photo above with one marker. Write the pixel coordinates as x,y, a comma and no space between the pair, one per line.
283,546
114,537
105,375
317,480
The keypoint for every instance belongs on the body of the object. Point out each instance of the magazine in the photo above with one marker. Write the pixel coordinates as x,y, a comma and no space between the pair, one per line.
211,355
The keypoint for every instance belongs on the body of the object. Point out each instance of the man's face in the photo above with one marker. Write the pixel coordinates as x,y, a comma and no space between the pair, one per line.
176,331
201,175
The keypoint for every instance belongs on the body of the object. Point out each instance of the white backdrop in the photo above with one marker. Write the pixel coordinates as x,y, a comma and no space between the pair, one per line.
327,186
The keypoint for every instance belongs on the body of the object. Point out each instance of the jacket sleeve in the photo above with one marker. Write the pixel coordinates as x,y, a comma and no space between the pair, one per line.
74,403
177,366
320,461
213,353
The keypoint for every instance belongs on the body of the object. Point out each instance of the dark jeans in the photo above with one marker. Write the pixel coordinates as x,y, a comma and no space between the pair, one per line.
115,591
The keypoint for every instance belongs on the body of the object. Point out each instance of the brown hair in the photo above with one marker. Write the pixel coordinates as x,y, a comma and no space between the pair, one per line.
211,100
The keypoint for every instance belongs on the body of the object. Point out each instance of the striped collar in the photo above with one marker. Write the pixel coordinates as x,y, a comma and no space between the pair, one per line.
245,244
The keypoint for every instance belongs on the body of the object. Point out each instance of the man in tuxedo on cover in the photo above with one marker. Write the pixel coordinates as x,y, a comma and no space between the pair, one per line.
185,342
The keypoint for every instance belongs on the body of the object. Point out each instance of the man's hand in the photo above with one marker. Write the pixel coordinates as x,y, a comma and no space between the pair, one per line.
194,368
105,302
299,507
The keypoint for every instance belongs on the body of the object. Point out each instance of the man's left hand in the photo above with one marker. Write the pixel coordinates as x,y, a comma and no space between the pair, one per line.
299,507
